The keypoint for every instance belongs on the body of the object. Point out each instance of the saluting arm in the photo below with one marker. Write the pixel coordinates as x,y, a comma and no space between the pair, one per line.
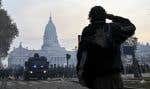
123,27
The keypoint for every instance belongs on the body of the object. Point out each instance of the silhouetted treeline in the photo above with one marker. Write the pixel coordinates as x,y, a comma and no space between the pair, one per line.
144,68
61,72
65,72
54,72
16,72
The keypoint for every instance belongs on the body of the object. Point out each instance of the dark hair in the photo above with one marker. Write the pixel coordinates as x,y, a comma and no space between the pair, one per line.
36,55
97,13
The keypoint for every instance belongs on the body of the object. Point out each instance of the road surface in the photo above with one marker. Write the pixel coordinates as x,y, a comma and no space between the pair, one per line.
41,84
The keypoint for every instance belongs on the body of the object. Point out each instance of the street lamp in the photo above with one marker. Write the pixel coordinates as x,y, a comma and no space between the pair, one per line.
129,48
137,71
68,56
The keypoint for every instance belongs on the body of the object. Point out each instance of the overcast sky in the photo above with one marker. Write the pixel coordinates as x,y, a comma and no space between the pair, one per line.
70,17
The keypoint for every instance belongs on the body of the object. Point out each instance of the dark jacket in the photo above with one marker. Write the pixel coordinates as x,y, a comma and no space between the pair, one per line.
104,61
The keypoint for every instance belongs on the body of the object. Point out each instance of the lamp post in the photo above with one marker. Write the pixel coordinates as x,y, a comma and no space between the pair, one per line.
135,64
131,43
68,56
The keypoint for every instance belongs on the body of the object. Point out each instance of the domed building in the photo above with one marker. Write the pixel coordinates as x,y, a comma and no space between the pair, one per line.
51,49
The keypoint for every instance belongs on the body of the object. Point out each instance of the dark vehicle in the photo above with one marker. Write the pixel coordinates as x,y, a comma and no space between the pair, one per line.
36,67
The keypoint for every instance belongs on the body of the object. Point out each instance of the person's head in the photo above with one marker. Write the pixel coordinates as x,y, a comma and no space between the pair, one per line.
36,55
97,13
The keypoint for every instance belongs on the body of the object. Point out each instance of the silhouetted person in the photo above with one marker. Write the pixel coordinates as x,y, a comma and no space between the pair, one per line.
99,57
36,55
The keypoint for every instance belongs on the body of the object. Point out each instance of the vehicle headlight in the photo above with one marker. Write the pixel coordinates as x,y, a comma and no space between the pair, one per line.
31,72
42,66
34,66
44,71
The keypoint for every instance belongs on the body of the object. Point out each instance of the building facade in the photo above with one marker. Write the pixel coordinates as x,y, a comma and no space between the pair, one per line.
143,53
51,49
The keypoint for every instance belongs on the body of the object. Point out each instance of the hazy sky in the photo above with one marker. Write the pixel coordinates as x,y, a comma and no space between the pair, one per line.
70,17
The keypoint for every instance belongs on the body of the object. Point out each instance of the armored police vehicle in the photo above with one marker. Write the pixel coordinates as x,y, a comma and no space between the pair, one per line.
36,68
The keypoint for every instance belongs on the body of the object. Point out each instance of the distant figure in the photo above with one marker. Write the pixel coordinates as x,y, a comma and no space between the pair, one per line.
99,57
36,55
